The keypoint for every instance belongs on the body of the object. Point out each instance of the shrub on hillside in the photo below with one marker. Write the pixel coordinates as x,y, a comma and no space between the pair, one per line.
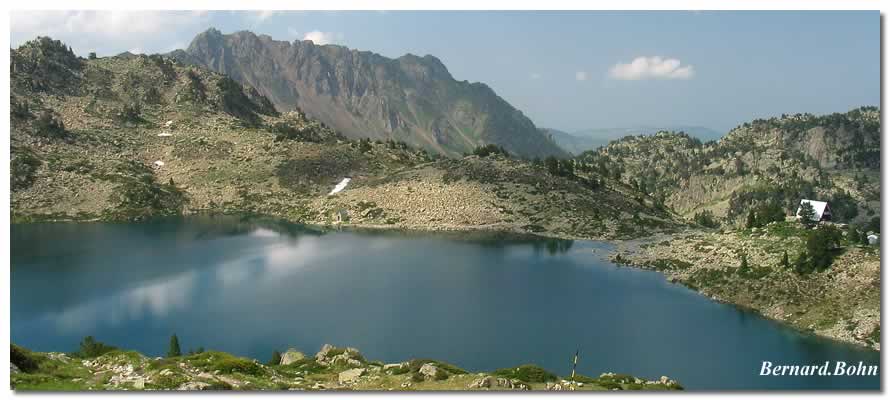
47,125
22,359
240,365
90,348
706,218
23,168
490,149
527,373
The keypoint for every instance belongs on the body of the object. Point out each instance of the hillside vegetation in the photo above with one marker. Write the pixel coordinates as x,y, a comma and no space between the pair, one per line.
835,158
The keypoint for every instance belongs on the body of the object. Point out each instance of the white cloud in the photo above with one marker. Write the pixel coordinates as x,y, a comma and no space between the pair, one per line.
321,38
117,22
262,15
651,68
581,76
108,31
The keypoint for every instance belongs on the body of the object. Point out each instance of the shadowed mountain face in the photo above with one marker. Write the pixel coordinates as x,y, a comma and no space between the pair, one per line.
363,94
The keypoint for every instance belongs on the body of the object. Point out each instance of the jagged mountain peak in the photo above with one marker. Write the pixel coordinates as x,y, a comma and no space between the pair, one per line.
363,94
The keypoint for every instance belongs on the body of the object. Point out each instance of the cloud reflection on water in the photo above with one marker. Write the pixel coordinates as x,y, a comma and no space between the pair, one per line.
157,299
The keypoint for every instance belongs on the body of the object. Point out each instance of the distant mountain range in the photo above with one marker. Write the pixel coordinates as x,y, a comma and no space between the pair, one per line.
363,94
580,141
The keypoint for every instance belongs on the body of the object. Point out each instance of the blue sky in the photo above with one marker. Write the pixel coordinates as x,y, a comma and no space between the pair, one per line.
565,70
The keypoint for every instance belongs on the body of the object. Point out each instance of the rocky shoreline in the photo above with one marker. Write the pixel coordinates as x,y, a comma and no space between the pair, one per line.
332,368
842,303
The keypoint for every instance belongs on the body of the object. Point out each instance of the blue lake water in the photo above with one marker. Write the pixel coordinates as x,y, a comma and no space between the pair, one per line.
250,287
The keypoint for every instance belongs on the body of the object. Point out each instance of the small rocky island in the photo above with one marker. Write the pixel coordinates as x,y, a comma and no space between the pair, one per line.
100,367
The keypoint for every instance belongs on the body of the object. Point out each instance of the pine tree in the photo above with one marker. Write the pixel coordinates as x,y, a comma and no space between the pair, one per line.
174,350
276,358
751,222
852,235
820,247
785,259
807,214
801,264
744,270
552,165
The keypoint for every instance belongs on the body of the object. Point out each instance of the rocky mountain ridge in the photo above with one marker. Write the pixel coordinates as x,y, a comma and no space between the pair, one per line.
365,95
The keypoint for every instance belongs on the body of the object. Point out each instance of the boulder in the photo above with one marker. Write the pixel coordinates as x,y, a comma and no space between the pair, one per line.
429,371
667,381
291,356
350,375
348,356
194,385
13,369
396,365
482,383
322,354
